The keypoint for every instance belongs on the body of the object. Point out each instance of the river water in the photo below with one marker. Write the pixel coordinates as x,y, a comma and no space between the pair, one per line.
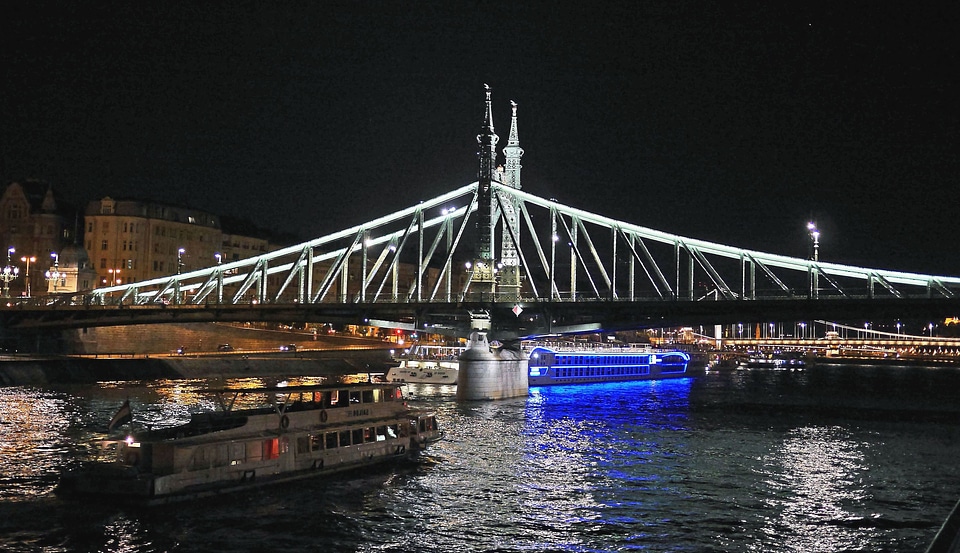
822,459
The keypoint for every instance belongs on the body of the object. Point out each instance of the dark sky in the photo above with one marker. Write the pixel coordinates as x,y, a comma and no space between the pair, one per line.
734,124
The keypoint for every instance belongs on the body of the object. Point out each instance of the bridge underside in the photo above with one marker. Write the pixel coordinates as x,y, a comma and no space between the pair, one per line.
537,318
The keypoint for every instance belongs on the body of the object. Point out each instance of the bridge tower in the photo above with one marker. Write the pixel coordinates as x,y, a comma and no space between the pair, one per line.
488,371
483,274
509,274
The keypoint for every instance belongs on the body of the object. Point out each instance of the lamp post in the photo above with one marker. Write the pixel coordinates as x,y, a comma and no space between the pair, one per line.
180,253
9,273
814,271
53,274
114,276
28,261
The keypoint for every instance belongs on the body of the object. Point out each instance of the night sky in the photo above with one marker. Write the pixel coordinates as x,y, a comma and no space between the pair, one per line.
731,124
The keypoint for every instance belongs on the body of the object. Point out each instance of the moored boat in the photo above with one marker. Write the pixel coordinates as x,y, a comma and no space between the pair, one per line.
302,431
774,360
585,366
427,364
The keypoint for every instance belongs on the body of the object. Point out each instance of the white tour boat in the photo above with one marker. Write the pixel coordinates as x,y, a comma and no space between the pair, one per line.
427,364
301,431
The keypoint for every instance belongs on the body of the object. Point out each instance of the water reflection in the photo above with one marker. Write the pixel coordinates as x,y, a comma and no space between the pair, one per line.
596,460
726,462
817,484
32,427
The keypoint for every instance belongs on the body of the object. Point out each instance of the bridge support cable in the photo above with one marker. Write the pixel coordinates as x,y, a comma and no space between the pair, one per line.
423,260
935,284
596,258
877,278
832,283
515,241
553,253
718,281
770,274
649,265
748,277
576,256
306,287
295,271
390,272
330,277
547,265
206,288
448,263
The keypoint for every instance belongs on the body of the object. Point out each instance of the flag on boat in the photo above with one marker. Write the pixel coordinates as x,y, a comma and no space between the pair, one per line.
123,416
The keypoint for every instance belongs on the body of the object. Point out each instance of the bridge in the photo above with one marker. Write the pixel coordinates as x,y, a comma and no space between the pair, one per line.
489,256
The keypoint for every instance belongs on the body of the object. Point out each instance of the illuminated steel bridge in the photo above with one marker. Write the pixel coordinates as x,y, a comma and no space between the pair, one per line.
568,270
491,256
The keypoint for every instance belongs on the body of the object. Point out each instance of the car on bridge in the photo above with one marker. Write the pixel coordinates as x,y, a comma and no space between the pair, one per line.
224,347
288,347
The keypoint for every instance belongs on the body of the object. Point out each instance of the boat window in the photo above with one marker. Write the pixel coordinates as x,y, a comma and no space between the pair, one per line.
325,400
316,442
357,436
303,445
271,449
369,435
355,396
392,431
254,451
367,396
381,433
345,438
331,440
377,395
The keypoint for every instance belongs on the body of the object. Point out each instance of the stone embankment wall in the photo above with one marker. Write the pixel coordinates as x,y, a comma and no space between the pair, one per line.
26,371
195,337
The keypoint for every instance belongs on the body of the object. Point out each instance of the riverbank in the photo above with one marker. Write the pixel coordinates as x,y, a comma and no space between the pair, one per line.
43,371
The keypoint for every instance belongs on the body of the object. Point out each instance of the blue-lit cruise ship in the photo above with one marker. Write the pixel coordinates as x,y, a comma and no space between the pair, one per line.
586,366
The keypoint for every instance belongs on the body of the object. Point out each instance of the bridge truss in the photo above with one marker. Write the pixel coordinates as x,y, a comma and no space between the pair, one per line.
425,254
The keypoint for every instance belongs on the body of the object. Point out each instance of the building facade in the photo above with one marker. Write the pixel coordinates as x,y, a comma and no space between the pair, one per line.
32,223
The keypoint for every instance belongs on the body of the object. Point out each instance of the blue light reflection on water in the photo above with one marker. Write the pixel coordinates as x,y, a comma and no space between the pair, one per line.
596,457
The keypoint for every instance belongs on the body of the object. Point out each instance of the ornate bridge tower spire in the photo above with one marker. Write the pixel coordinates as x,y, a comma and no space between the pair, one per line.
510,272
513,152
483,266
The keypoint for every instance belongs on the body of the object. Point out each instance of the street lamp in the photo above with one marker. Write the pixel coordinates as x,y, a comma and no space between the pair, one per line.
9,273
219,257
53,274
815,236
114,276
180,253
814,272
28,261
